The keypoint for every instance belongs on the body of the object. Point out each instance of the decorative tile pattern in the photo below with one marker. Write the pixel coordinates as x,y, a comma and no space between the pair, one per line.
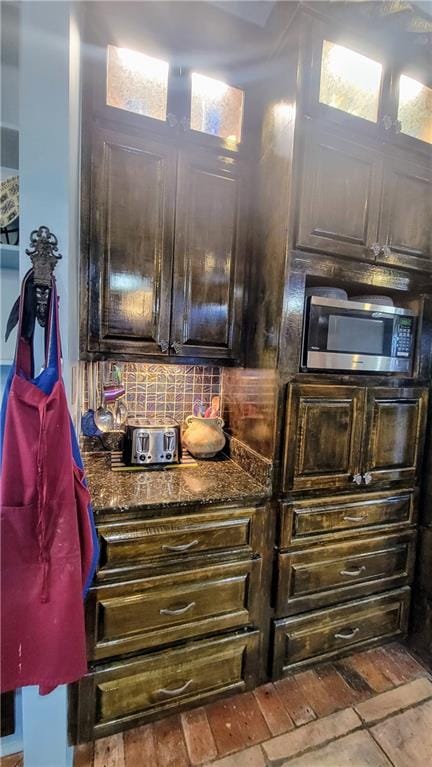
160,391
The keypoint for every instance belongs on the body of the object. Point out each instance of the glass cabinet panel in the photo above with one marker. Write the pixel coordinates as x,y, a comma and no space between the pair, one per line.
415,108
350,81
136,82
216,108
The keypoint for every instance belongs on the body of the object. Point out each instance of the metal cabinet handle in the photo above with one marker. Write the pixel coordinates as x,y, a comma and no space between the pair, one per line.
375,248
172,120
176,691
176,346
348,635
357,479
176,610
359,518
184,123
164,345
397,126
367,478
179,546
354,572
386,250
386,122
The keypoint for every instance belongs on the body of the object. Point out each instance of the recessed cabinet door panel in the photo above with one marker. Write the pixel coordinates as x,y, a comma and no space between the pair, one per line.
406,216
207,269
339,201
131,244
323,439
395,426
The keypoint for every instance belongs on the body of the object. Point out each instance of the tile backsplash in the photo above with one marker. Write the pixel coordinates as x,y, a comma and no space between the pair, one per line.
157,390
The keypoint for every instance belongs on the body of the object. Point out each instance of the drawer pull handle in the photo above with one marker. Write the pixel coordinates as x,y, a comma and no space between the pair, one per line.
176,610
359,518
354,572
348,635
180,546
176,691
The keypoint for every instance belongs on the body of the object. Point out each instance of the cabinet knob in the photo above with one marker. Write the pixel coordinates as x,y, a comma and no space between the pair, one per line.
164,346
176,346
357,479
386,122
367,478
172,120
375,248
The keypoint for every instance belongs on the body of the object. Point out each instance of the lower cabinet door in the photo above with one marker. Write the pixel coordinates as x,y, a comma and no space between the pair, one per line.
124,694
324,634
321,576
151,612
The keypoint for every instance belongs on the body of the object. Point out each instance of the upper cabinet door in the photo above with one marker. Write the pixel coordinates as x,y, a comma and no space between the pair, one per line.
394,434
323,437
406,216
208,268
131,244
340,196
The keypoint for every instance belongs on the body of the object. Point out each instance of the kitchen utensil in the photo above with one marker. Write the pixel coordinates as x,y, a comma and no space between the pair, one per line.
120,414
88,425
198,409
113,391
104,419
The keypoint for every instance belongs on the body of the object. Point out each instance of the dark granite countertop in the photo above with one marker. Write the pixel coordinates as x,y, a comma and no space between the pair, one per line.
206,482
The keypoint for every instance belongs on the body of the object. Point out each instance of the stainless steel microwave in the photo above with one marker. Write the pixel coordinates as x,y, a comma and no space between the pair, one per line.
350,335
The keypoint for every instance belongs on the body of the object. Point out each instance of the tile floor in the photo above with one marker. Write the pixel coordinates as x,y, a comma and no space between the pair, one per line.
371,709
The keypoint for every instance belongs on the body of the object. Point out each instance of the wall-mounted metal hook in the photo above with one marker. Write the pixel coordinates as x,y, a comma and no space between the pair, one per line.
43,252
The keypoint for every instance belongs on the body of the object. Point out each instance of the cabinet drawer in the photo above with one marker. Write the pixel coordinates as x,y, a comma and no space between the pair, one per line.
140,544
327,633
321,576
338,514
135,615
125,694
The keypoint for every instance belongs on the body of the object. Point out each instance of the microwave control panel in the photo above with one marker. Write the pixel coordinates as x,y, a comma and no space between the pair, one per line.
404,336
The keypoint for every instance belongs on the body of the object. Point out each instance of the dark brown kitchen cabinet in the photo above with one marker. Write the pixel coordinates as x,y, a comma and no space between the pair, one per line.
131,244
165,263
207,270
323,436
394,433
405,229
339,197
351,436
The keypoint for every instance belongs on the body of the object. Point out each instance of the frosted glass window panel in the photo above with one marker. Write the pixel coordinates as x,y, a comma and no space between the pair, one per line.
350,81
415,109
216,108
137,83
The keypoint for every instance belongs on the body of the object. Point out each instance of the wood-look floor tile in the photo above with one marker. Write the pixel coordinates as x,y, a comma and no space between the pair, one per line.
354,680
294,700
139,747
83,755
250,757
343,695
316,693
250,718
390,666
392,701
198,736
169,743
13,760
367,664
407,737
273,710
408,665
225,727
109,752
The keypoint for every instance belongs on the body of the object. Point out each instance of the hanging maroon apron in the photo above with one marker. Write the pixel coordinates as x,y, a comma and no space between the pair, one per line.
46,537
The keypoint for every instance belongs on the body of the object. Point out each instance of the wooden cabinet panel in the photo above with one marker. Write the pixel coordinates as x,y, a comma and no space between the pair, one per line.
151,612
326,633
132,220
323,436
340,195
208,273
394,433
308,519
126,693
127,547
318,577
406,215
